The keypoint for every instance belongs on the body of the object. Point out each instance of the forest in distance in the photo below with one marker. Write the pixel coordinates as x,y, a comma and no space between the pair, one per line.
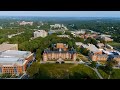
104,25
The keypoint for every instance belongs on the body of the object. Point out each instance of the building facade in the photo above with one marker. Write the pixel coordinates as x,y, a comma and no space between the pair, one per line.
60,50
26,23
40,33
14,62
66,36
98,57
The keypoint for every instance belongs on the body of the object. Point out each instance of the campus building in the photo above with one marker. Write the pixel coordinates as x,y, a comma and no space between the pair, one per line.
59,51
40,33
26,23
14,62
5,46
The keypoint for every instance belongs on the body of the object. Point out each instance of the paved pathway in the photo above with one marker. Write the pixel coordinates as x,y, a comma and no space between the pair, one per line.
96,72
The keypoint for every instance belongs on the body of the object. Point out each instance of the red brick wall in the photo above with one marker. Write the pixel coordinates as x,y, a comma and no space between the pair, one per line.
11,70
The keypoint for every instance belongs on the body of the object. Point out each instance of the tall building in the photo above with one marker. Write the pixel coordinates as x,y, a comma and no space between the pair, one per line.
59,51
40,33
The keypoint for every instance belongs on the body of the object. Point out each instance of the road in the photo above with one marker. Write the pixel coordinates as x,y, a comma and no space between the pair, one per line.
24,76
96,72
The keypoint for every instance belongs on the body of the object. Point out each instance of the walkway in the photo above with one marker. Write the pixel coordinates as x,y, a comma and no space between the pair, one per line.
96,72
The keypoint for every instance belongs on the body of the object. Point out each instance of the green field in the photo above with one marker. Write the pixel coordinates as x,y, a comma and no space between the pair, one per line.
61,71
103,74
115,44
115,74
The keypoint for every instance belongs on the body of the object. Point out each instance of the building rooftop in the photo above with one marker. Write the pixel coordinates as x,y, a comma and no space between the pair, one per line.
40,31
15,53
5,46
11,60
91,47
72,50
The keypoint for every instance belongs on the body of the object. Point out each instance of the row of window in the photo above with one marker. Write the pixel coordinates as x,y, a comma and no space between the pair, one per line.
11,67
9,71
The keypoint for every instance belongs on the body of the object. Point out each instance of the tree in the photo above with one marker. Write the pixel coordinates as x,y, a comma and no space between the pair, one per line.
84,51
77,59
77,39
33,69
91,41
38,55
108,67
70,44
103,41
93,64
6,75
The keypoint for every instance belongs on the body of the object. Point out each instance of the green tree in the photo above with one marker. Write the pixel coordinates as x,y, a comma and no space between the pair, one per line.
93,64
38,55
70,44
84,51
6,75
77,59
33,69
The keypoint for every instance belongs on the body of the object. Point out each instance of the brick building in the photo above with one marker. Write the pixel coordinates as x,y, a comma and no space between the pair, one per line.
59,50
14,61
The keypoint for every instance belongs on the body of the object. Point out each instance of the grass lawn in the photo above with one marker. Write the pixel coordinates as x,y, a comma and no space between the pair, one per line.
62,71
116,74
115,44
81,68
82,57
103,74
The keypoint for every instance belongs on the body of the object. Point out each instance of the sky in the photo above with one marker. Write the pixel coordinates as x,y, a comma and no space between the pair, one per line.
62,13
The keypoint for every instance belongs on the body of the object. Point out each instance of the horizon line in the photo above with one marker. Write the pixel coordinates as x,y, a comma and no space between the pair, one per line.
64,16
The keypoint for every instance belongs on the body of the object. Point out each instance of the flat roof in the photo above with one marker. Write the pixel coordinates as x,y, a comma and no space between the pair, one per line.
11,60
11,57
15,53
8,59
91,47
4,47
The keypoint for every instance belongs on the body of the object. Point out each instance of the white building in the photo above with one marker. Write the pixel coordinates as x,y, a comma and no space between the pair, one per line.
63,36
60,26
100,45
79,44
91,47
107,39
80,32
55,26
25,23
40,33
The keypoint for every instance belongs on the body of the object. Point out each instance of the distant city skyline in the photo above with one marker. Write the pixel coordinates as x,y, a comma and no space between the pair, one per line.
62,13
